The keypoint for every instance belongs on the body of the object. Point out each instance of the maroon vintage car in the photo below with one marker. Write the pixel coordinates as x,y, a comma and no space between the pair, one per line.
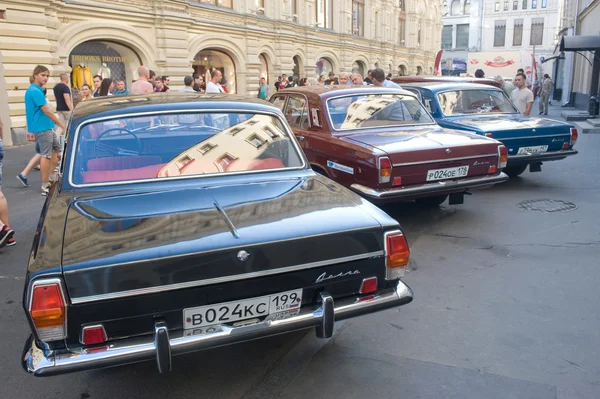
382,143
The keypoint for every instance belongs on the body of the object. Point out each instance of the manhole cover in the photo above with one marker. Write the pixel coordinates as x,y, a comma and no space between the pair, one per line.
547,205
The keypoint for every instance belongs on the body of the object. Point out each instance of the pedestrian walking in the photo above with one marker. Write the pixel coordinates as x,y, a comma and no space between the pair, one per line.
41,121
188,82
213,86
547,86
142,85
106,87
6,233
378,79
507,87
97,84
64,103
522,97
121,90
263,90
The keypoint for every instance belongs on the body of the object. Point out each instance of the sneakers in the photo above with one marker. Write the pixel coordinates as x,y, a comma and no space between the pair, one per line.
5,235
23,180
11,242
45,189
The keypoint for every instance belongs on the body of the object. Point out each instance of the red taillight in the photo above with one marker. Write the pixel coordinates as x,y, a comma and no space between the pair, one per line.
502,157
91,335
492,169
565,146
397,181
48,311
385,169
490,135
368,285
397,254
574,136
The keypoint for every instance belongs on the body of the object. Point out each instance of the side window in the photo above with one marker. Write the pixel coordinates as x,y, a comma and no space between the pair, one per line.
296,112
430,104
279,102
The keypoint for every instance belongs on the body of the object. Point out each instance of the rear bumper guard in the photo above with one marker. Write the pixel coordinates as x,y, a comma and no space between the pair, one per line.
440,187
546,156
162,345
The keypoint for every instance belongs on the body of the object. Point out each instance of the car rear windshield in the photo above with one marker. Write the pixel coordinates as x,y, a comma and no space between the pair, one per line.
376,110
461,102
182,144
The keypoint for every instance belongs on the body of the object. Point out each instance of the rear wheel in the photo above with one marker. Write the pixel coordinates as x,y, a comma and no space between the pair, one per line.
431,201
514,171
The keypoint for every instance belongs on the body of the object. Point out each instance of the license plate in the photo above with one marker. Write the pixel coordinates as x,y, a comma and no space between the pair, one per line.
537,149
447,173
229,312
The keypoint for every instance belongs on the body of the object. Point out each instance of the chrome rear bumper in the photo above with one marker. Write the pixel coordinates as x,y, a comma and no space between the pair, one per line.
545,156
435,188
162,345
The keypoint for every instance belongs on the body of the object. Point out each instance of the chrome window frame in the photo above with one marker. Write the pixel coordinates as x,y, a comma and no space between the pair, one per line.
77,136
492,88
409,94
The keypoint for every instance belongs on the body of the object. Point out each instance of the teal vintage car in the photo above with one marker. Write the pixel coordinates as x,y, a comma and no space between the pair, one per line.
487,111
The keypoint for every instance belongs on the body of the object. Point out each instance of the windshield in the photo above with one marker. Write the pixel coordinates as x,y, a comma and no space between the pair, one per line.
184,144
373,110
461,102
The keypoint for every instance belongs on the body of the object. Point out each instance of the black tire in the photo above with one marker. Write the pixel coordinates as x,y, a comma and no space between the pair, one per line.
432,201
514,171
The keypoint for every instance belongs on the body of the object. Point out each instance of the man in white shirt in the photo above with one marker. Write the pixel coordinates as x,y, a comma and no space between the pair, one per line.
188,81
213,86
522,97
379,80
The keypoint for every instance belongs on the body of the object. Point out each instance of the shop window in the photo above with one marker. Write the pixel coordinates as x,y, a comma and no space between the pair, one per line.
256,140
462,36
358,17
537,31
499,33
206,148
224,162
518,32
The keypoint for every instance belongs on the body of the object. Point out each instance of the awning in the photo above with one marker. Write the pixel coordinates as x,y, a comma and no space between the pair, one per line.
580,43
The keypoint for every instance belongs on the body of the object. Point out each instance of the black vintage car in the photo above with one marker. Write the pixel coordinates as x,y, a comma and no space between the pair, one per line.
183,222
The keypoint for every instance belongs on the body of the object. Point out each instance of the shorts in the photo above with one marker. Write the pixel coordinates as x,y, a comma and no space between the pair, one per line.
48,143
1,159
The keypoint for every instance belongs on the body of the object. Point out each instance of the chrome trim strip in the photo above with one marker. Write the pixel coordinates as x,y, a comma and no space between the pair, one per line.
430,188
445,160
220,280
544,155
208,251
131,350
277,115
533,137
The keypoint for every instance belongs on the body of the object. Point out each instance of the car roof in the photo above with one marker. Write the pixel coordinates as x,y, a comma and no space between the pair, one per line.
112,106
326,92
443,86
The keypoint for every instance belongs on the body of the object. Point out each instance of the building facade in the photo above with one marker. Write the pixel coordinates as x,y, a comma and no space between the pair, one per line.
245,39
514,29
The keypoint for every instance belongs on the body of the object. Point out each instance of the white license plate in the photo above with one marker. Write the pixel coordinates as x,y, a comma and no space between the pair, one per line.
537,149
229,312
447,173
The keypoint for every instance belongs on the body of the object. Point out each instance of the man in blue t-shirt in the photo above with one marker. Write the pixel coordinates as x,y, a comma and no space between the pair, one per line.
41,121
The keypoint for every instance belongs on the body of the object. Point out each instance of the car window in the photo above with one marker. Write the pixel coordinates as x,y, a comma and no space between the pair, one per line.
373,110
183,144
279,102
296,112
460,102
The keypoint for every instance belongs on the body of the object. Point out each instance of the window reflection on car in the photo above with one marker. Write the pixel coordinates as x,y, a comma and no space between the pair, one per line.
461,102
376,110
182,144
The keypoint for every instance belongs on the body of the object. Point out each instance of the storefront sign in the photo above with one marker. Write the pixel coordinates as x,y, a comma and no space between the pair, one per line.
98,58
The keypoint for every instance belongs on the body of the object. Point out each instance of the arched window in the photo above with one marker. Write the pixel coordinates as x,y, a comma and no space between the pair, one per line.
467,7
455,7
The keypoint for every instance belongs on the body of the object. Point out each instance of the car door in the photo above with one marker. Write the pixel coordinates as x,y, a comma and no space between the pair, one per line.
296,114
